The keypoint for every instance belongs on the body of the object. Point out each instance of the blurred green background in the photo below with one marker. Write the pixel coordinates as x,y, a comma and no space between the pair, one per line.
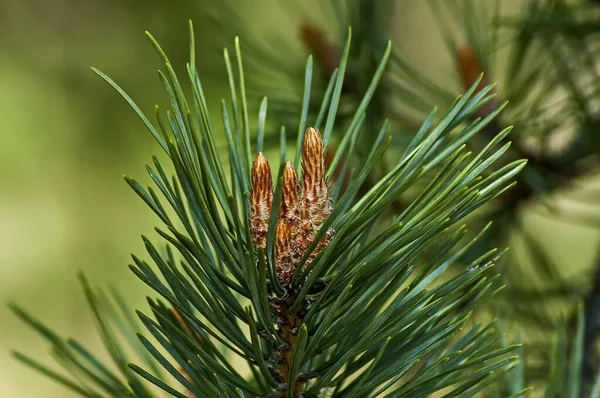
66,138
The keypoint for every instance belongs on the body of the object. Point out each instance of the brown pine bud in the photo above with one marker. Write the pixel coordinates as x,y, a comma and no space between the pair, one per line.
469,68
283,262
302,214
290,196
261,200
327,54
303,238
315,197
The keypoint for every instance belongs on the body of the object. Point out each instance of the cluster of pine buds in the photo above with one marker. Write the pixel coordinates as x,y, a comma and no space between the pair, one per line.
303,209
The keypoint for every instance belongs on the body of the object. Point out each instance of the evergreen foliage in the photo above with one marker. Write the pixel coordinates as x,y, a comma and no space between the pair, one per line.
365,305
565,371
544,56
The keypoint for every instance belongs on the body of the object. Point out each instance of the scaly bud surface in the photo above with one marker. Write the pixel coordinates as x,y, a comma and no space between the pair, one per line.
261,197
315,197
283,261
303,212
290,195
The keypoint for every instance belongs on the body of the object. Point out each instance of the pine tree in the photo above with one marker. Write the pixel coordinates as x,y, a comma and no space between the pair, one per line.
543,55
300,288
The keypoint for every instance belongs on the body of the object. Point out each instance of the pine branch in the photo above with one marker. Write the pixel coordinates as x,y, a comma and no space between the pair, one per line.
549,47
310,285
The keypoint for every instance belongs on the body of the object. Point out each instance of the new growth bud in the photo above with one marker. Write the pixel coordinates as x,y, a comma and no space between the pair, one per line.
283,261
302,212
315,197
261,200
290,195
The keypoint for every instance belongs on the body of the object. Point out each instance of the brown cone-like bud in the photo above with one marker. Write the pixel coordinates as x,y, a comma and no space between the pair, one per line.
315,198
469,69
302,214
283,261
261,200
290,196
324,51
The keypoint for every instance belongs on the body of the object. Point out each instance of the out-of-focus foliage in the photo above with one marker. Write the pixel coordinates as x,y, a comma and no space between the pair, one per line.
64,142
565,377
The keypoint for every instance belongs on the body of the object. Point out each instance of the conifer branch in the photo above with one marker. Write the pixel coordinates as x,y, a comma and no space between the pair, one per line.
309,285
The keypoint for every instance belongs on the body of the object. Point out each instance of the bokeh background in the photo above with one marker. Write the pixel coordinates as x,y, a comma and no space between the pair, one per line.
66,138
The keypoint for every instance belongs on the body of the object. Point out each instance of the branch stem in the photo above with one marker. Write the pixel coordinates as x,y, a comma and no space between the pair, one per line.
289,332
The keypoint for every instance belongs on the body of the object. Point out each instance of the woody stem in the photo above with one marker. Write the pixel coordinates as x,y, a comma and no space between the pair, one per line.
288,332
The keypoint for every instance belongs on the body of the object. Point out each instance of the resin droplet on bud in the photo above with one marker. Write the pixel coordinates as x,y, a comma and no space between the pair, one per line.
261,200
